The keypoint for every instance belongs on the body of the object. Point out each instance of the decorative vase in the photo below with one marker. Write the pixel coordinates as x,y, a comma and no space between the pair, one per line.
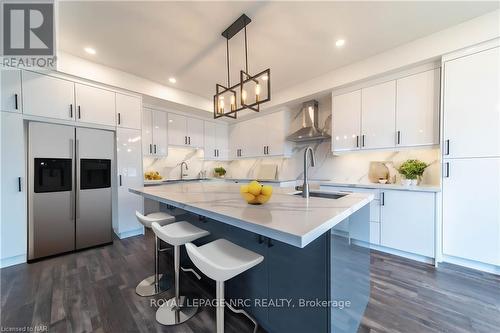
414,182
406,182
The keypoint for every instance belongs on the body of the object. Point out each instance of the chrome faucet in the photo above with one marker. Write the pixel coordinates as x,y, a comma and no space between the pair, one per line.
305,186
182,169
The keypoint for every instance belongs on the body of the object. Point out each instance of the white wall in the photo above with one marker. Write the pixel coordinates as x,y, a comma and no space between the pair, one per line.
72,65
472,32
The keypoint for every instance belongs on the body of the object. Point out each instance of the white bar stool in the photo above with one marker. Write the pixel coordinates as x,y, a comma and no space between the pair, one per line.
173,311
156,283
222,260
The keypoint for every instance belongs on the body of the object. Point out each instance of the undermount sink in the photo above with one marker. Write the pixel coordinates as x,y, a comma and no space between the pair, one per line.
327,195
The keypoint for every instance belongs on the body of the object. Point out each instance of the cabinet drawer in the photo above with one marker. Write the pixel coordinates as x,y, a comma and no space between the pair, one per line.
374,191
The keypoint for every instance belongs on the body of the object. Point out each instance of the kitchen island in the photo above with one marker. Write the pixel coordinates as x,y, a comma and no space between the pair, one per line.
312,278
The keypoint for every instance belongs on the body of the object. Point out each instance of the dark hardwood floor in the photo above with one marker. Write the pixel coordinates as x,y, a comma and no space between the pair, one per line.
94,291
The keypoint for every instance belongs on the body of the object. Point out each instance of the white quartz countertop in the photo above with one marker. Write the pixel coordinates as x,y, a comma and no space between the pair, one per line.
285,217
399,187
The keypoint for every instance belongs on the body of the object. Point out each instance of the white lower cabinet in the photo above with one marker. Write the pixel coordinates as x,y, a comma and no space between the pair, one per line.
399,219
13,190
129,172
407,221
471,209
10,92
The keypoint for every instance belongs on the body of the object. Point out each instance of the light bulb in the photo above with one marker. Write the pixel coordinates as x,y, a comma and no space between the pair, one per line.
257,89
244,95
233,102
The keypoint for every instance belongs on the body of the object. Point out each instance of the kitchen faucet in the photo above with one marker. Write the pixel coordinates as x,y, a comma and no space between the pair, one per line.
182,169
305,186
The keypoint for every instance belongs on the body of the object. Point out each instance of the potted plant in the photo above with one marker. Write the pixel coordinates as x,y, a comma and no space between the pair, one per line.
412,170
219,172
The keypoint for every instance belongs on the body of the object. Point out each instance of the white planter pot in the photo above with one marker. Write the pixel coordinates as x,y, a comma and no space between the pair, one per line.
406,182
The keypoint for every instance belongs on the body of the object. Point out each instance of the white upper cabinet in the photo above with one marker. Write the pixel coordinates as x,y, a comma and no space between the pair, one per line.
210,137
261,136
215,142
378,110
185,131
147,131
276,127
407,221
346,121
195,132
128,111
10,94
471,105
400,113
48,96
417,109
221,141
160,133
94,105
177,130
154,132
471,209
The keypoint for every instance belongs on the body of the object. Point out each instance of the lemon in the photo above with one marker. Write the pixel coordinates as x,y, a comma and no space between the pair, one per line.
254,188
248,197
244,189
262,199
267,190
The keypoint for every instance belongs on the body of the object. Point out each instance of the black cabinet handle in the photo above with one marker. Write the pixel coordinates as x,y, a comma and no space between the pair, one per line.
382,202
357,141
120,177
447,143
19,184
16,106
447,168
363,140
185,140
154,148
71,110
261,239
189,140
150,148
119,118
79,113
270,242
399,137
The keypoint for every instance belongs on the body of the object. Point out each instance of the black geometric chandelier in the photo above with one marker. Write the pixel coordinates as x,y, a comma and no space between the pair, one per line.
250,91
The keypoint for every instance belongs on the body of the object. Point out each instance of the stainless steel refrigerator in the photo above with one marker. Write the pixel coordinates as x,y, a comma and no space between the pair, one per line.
70,174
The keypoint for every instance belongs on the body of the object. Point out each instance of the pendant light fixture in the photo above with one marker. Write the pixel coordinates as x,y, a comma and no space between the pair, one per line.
250,91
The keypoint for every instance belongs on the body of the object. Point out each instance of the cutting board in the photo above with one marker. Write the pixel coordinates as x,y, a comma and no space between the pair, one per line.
267,172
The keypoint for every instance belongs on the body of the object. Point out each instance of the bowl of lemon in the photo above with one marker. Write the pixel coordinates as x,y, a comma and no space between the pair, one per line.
255,193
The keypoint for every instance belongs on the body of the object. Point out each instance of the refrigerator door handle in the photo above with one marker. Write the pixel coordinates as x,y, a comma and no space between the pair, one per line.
78,175
19,184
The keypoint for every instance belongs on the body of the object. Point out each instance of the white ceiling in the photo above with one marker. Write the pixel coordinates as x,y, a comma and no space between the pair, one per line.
156,40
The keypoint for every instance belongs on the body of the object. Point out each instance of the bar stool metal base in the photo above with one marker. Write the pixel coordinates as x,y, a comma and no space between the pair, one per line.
171,314
147,286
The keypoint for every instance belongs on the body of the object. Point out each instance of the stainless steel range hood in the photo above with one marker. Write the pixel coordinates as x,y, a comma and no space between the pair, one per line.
309,130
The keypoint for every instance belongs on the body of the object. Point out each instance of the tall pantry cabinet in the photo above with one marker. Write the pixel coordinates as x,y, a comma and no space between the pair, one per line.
471,156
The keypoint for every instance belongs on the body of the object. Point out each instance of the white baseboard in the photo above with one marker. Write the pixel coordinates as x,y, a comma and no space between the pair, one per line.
130,233
408,255
488,268
11,261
